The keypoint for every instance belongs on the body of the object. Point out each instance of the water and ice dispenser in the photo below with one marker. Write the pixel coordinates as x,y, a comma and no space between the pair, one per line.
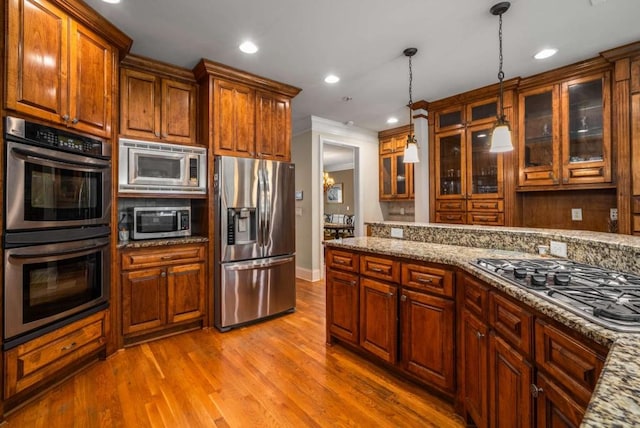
242,225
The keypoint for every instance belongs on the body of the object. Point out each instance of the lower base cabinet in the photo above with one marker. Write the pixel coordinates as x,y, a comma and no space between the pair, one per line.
475,355
42,360
162,288
379,318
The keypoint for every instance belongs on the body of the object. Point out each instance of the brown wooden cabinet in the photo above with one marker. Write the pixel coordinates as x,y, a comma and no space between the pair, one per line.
157,101
162,287
379,318
243,114
58,69
396,177
469,185
565,136
41,361
343,306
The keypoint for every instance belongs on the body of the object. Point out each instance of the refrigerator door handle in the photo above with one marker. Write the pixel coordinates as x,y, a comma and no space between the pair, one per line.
267,203
258,264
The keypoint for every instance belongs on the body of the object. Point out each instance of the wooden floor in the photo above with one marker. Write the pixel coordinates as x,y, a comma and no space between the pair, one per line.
279,373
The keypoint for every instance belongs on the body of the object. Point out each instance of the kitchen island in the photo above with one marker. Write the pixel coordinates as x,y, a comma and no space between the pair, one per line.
616,398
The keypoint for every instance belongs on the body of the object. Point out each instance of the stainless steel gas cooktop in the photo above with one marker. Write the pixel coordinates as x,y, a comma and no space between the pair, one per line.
605,297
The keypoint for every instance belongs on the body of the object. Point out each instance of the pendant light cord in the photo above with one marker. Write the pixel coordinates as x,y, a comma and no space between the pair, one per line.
500,72
410,93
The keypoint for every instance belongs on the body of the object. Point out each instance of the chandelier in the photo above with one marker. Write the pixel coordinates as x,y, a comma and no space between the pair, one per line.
327,181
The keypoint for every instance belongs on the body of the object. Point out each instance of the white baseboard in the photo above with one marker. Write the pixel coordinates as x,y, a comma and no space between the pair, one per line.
308,274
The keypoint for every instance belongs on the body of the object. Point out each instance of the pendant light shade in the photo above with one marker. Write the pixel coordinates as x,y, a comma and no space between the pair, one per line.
411,149
501,135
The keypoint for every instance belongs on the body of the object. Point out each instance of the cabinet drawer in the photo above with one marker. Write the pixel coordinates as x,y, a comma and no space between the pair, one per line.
427,278
512,322
574,365
342,260
450,205
489,205
41,358
135,259
475,298
496,219
450,217
378,267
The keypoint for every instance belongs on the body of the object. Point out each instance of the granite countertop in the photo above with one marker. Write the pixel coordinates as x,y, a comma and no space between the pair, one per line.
146,243
616,399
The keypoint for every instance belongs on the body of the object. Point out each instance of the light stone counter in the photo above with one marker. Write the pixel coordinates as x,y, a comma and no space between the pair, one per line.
616,399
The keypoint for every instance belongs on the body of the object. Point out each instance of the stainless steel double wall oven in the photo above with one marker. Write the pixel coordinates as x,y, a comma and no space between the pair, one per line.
56,228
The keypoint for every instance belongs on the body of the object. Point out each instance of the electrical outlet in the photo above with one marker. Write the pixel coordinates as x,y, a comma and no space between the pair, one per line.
396,232
576,214
613,214
558,249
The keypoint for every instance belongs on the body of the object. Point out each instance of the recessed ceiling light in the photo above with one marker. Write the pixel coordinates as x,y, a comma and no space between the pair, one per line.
111,1
392,120
545,53
248,47
332,78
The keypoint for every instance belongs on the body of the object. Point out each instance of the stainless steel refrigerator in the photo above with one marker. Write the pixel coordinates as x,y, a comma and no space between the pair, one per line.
254,274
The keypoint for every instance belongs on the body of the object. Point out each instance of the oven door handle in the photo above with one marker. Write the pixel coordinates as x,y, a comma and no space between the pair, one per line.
18,254
54,161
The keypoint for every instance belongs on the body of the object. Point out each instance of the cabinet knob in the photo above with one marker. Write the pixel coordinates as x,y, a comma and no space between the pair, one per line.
479,335
389,294
68,347
157,134
535,390
403,298
163,274
74,120
65,117
565,180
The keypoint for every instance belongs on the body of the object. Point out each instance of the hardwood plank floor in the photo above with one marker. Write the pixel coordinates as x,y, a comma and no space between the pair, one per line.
279,373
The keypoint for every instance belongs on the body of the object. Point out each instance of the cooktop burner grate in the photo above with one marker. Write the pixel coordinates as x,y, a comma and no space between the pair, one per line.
606,297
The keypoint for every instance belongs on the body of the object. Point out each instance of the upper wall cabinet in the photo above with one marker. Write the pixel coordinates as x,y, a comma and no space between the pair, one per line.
565,136
243,114
157,101
59,68
396,177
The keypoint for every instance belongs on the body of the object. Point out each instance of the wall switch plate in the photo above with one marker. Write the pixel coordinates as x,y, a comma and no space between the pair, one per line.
576,214
558,249
613,213
396,232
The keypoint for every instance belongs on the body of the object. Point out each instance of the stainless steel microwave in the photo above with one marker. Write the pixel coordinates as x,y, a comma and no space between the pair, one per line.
150,167
160,222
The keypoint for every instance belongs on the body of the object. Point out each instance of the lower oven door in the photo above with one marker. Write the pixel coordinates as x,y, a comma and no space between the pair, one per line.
51,188
45,284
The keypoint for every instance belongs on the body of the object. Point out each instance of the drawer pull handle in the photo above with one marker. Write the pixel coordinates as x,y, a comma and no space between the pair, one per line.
425,280
535,390
339,262
479,335
167,257
375,269
69,346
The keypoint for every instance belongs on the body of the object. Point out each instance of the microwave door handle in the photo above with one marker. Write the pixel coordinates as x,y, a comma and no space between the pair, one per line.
39,254
38,156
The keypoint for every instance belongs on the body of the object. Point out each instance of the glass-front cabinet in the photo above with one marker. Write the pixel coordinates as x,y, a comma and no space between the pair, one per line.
565,133
396,177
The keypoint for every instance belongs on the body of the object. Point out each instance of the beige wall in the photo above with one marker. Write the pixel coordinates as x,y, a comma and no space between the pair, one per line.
346,207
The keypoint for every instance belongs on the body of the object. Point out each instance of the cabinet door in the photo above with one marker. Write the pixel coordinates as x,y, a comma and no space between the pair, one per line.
449,119
554,407
427,338
234,119
144,300
482,112
185,292
91,81
539,141
379,318
485,178
37,62
475,345
586,133
450,165
273,126
140,104
386,176
403,177
343,305
178,112
510,379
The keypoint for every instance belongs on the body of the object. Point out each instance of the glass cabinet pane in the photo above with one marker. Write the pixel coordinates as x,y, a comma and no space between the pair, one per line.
450,119
538,128
401,175
450,165
484,165
386,175
585,121
484,111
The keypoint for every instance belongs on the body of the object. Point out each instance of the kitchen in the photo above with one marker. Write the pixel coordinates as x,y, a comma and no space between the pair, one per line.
185,104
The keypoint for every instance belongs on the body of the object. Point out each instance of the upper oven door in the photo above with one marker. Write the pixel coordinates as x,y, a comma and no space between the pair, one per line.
47,188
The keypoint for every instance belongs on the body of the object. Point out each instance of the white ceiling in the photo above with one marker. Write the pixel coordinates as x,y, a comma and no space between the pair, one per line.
301,41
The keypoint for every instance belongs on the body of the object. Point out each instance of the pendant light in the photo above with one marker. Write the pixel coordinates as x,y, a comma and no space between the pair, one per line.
411,149
501,134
